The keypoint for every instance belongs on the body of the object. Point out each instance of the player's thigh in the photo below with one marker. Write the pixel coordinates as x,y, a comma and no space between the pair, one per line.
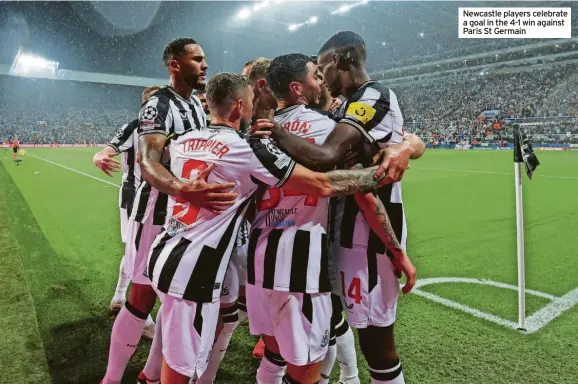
260,322
301,325
188,331
144,238
230,287
369,288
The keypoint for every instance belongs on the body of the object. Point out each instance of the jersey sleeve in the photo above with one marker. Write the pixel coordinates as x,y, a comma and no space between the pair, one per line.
155,116
269,164
376,114
122,140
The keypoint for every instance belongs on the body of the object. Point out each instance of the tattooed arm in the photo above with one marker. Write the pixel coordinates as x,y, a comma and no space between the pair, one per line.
376,216
333,183
151,148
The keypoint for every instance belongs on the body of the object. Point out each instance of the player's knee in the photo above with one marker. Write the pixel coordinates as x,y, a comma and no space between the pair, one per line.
378,346
142,297
230,317
305,374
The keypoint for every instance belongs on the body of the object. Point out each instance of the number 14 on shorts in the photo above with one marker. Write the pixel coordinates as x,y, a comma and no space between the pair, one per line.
354,290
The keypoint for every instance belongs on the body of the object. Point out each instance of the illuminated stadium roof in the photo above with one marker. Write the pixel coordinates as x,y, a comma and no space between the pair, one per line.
128,37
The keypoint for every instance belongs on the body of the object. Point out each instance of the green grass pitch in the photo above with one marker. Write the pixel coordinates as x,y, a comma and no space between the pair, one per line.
60,250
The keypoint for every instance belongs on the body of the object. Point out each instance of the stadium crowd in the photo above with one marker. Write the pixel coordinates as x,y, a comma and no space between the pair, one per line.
443,110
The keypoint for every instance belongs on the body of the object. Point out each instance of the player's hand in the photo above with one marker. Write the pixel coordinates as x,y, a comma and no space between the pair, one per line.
262,127
403,265
335,104
214,197
393,161
106,163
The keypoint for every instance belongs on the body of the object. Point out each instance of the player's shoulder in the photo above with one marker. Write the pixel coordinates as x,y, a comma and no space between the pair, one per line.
371,91
161,96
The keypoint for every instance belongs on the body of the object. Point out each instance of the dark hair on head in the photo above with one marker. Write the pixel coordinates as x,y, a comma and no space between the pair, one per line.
175,48
345,42
314,59
286,69
224,88
250,62
259,70
202,88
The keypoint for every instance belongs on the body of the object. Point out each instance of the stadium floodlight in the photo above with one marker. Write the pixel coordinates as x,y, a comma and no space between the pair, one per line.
421,34
313,19
244,13
342,9
383,43
26,64
293,27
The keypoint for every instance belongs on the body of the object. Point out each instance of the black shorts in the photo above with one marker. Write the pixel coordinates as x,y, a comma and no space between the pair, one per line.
15,150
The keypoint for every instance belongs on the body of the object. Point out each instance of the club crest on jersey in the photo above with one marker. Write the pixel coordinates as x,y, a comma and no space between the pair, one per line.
183,115
325,339
362,111
224,290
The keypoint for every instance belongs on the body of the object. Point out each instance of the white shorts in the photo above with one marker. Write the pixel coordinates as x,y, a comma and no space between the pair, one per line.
235,276
188,332
369,297
139,242
299,322
124,223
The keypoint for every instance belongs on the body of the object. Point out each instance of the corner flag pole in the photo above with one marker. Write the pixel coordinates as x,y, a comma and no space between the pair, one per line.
523,153
519,230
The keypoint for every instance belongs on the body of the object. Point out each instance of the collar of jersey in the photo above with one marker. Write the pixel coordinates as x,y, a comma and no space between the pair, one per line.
179,96
287,109
221,127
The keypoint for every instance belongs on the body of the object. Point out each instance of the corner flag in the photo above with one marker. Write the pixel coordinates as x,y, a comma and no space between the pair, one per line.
523,153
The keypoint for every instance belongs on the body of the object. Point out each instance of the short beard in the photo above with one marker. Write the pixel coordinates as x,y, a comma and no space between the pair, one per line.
193,82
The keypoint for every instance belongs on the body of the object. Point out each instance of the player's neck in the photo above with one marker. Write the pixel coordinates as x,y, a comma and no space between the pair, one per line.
286,103
182,89
357,77
218,121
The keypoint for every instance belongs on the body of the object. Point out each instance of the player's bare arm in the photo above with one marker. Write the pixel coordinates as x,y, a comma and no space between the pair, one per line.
376,216
341,145
197,192
105,162
333,183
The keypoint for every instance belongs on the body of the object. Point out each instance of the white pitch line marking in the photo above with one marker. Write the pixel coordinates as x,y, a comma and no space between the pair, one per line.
75,170
539,319
466,280
534,322
490,172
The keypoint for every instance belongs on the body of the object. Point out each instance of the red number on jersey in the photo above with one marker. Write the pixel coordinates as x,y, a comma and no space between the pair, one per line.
275,194
354,291
190,216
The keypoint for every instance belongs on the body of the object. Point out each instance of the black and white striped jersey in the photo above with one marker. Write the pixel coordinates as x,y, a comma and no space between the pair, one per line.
373,109
189,258
288,247
123,142
166,113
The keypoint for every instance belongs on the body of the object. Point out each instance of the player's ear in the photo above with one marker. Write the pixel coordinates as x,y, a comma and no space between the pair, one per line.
174,65
296,88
